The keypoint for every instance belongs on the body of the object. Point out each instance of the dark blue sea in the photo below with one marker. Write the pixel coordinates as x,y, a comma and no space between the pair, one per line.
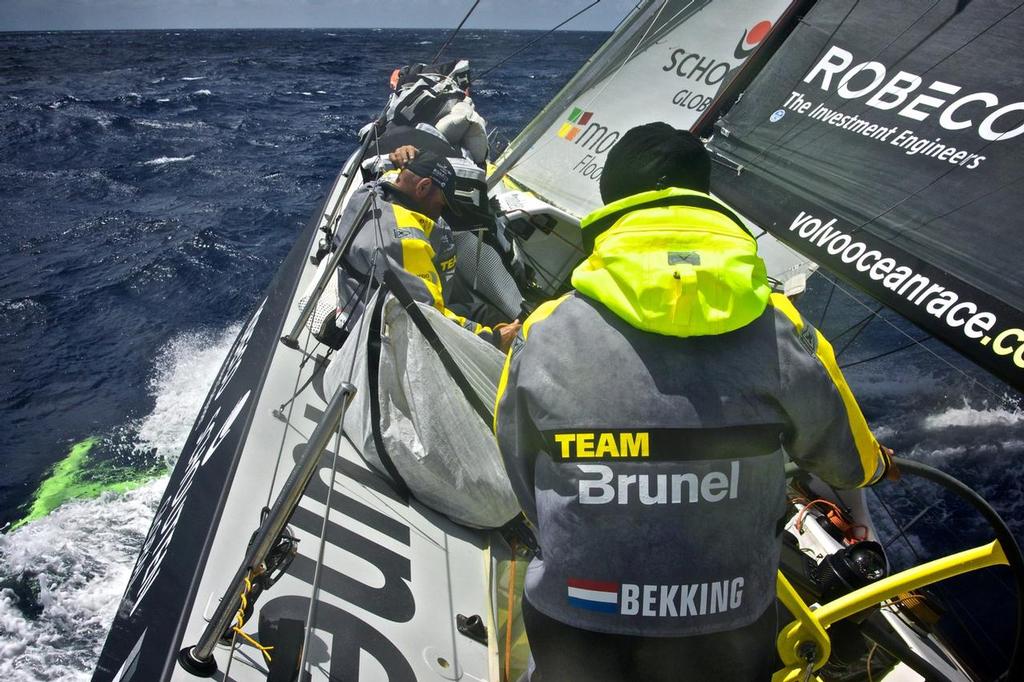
151,182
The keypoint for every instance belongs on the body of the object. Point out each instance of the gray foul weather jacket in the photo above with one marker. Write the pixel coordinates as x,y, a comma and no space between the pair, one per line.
645,418
420,250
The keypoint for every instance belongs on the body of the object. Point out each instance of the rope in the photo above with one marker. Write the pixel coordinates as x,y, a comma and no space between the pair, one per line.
863,324
243,603
871,653
544,141
451,36
288,422
913,342
511,589
899,530
315,593
828,302
536,40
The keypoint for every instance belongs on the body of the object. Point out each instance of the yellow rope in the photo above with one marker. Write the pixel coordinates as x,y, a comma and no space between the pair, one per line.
240,621
508,619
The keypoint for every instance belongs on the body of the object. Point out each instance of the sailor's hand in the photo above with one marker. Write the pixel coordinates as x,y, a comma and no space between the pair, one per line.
402,155
507,333
892,472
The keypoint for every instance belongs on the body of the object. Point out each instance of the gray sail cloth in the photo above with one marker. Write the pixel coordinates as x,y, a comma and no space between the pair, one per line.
443,450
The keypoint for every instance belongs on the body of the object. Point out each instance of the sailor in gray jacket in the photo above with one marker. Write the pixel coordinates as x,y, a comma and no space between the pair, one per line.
403,223
644,419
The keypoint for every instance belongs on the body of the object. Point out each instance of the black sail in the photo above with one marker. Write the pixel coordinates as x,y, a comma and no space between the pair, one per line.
885,141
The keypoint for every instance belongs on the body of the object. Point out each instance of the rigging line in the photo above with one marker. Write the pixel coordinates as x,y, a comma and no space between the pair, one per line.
899,531
379,239
936,64
864,324
909,524
942,175
916,342
608,81
315,593
955,538
532,262
288,422
836,337
385,503
998,188
976,625
451,35
452,619
821,51
983,147
298,391
537,39
234,646
947,363
828,302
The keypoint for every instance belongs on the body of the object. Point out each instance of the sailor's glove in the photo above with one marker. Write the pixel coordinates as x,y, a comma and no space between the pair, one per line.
892,472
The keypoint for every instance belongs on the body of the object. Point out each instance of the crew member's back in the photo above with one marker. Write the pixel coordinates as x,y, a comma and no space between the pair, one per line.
645,419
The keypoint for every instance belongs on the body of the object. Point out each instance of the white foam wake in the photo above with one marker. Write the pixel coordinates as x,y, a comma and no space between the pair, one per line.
82,554
160,161
966,415
185,369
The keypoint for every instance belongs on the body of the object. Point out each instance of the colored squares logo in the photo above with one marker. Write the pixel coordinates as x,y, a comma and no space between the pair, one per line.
577,119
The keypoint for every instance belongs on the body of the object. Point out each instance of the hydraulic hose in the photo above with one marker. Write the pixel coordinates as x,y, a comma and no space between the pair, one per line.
1002,532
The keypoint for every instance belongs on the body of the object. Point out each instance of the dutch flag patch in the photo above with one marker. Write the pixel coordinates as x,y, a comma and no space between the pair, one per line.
593,595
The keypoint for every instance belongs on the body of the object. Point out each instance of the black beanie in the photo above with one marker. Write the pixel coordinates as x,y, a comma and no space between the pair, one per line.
655,156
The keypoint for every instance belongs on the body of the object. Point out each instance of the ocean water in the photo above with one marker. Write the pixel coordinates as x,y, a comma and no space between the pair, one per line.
150,182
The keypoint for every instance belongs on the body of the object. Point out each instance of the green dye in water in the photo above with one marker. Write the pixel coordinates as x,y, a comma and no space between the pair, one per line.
72,480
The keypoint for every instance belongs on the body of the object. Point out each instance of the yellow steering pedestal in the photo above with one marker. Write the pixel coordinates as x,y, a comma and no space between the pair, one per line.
804,644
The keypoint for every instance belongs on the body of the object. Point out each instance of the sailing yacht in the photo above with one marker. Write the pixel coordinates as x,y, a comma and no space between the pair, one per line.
878,140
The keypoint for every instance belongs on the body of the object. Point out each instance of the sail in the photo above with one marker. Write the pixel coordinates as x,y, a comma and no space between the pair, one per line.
883,140
669,61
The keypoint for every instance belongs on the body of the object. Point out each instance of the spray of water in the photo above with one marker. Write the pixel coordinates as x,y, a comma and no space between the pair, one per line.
63,571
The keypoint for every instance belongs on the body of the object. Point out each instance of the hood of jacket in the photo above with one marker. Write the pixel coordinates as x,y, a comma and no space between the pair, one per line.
673,262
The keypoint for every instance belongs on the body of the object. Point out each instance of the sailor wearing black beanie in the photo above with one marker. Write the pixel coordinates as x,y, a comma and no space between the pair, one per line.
644,420
655,156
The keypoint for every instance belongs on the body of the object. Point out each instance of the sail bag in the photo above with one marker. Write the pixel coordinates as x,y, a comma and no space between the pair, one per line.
413,422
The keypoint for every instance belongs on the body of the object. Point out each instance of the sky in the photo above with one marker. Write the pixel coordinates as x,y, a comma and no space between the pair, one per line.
56,15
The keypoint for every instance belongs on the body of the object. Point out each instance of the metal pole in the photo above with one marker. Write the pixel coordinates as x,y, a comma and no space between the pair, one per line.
348,172
198,659
292,338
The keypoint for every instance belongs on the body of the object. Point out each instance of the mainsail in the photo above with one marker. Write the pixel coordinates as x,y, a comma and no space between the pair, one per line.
669,61
883,140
